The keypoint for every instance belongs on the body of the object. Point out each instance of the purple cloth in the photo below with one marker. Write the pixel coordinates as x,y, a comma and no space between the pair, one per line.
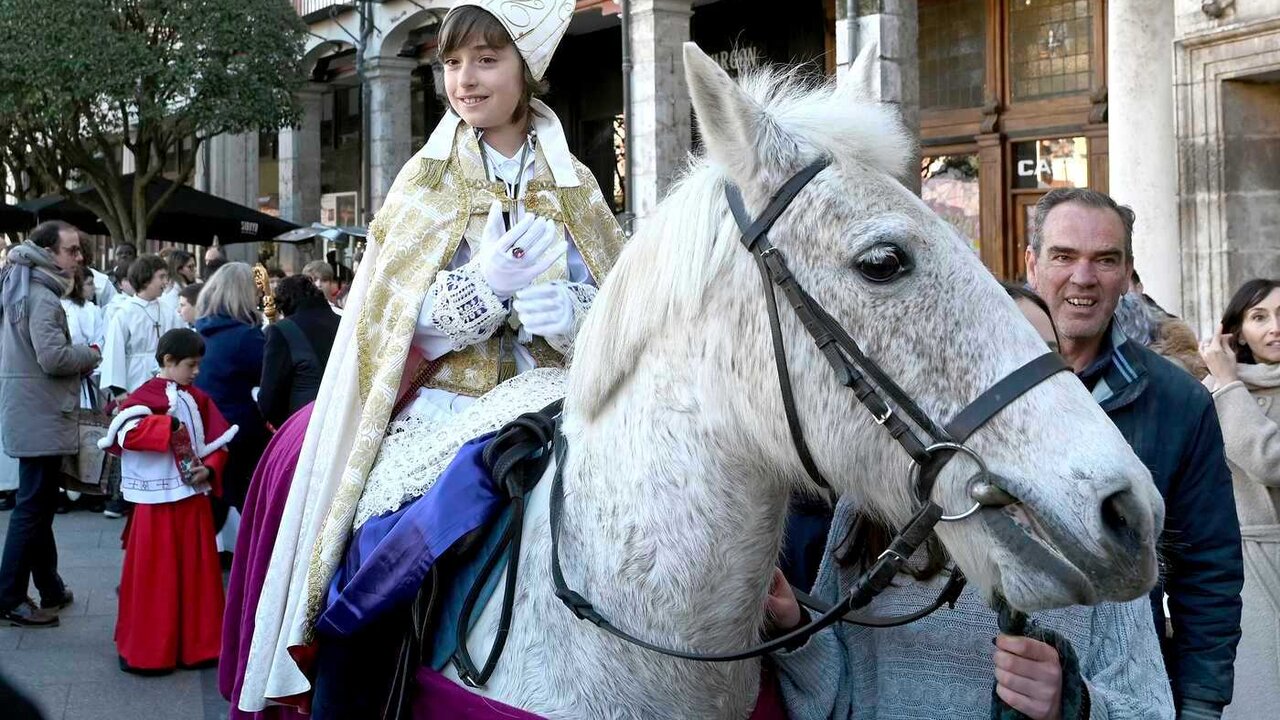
438,697
259,525
390,555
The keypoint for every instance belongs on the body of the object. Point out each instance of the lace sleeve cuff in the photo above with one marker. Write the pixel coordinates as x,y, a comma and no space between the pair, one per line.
466,310
581,295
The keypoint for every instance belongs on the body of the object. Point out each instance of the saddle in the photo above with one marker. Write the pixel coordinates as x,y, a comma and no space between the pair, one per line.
462,580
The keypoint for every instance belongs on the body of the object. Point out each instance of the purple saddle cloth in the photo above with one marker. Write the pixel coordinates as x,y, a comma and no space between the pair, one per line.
390,555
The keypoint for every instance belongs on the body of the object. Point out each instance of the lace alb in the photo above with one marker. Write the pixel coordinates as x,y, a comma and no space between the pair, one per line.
418,447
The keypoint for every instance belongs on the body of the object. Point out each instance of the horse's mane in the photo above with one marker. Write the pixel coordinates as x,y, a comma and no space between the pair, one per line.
688,242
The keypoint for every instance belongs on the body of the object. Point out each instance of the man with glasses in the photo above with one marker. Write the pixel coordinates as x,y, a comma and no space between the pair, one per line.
40,376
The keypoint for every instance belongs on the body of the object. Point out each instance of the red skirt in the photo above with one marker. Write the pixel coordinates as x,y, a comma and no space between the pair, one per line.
171,587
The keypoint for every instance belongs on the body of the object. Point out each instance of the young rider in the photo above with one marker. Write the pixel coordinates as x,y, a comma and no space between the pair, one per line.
481,265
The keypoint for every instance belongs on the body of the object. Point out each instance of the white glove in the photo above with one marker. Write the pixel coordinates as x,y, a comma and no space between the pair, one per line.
536,241
545,309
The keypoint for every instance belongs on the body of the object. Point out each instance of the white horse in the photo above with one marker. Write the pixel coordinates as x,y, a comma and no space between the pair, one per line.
680,464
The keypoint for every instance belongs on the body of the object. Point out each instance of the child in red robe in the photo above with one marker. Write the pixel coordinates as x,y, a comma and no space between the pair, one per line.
171,440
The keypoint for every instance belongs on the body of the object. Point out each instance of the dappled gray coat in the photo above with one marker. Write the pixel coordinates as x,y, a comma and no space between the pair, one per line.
40,374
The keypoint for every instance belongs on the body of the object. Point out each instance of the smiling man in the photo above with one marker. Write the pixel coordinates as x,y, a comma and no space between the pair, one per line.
1080,261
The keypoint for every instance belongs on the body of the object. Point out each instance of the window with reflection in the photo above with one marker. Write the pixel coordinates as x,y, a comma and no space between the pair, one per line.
1052,163
952,47
949,186
340,140
1050,48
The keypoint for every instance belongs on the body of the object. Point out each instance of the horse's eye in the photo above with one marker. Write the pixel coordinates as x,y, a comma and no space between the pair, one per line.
883,262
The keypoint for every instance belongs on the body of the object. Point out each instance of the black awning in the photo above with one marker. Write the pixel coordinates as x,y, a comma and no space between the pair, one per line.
189,216
15,219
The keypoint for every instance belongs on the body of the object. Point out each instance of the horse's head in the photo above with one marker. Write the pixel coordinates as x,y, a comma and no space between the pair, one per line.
914,295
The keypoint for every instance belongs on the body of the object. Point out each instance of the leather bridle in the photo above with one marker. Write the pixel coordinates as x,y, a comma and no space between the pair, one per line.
871,386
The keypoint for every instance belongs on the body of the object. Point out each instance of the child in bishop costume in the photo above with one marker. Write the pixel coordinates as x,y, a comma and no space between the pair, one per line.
480,267
171,439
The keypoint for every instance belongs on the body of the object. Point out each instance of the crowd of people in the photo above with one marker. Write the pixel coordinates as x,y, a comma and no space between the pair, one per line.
173,363
198,387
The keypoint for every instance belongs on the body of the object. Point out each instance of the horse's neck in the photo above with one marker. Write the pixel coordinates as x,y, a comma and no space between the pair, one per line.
672,523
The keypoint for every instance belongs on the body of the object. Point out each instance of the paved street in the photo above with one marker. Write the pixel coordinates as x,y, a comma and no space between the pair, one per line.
71,670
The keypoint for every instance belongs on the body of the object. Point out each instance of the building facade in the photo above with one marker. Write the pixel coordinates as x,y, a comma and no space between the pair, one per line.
1170,105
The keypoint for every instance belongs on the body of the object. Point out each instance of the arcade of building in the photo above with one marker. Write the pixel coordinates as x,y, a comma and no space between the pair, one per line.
1172,110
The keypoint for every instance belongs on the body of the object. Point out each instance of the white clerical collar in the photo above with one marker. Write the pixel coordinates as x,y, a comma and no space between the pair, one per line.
508,169
144,303
551,142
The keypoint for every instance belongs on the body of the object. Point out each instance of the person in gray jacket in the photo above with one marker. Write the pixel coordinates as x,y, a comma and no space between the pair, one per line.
40,376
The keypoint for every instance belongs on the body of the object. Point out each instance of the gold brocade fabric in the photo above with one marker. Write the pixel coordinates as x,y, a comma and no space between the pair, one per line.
432,207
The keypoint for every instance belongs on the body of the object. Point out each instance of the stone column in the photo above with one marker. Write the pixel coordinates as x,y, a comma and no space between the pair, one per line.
660,136
896,80
1143,158
300,161
233,168
390,123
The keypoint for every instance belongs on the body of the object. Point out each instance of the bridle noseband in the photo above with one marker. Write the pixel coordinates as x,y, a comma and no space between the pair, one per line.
874,389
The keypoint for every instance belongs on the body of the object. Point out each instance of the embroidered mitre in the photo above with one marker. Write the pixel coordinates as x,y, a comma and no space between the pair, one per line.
535,27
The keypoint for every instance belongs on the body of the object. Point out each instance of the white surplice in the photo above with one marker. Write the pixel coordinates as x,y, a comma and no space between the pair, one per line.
129,355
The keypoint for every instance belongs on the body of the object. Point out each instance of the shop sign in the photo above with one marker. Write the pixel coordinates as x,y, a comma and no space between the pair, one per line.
1032,168
1051,163
739,59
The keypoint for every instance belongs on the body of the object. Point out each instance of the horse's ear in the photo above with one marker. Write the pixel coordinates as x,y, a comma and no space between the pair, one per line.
727,118
860,81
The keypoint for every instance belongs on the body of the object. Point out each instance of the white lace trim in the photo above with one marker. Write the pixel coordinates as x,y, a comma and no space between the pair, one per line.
581,295
417,448
466,310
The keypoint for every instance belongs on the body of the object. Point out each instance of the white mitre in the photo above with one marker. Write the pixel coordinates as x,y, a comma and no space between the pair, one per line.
535,27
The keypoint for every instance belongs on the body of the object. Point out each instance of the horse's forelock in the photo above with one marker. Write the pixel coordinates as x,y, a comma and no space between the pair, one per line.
816,118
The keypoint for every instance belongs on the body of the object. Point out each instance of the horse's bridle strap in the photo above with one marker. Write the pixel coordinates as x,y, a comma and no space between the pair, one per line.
754,231
1000,395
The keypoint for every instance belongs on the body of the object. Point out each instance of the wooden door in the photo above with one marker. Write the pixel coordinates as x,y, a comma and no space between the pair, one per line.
1024,208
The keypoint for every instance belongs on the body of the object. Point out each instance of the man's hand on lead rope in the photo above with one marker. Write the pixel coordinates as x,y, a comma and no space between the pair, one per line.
510,260
545,309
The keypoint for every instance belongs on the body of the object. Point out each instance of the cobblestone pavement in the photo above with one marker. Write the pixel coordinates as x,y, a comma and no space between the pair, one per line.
71,671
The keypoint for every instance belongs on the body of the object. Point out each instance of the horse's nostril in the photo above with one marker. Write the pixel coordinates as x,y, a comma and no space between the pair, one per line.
1121,512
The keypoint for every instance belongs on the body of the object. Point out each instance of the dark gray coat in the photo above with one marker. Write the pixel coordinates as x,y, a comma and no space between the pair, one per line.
40,374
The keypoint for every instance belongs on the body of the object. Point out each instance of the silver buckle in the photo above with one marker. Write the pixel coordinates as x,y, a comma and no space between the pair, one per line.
888,413
894,553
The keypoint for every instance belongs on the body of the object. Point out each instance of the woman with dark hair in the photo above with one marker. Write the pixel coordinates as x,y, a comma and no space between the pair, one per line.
297,349
84,320
1036,311
182,272
1244,376
84,317
1076,662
